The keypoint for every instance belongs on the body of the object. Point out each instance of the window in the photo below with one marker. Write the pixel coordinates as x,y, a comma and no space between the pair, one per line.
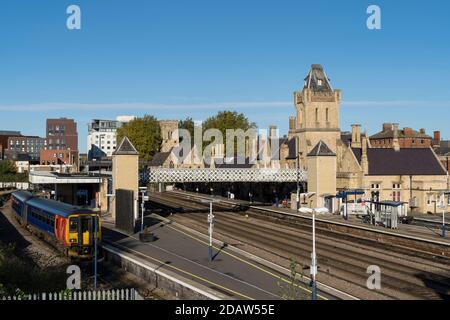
73,225
317,115
326,114
319,82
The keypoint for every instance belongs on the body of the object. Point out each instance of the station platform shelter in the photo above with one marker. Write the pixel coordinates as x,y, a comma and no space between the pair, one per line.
86,190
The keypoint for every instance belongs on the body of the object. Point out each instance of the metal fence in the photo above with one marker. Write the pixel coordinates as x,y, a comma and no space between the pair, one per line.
116,294
14,185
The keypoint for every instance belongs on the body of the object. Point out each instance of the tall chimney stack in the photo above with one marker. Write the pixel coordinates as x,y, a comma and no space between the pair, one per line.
395,142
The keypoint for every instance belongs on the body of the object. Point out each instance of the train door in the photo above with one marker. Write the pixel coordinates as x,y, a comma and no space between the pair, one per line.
85,230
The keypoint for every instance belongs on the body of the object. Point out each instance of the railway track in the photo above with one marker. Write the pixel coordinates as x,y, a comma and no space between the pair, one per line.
341,257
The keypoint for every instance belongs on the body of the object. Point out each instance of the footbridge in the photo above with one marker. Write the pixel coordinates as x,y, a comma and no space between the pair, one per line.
182,175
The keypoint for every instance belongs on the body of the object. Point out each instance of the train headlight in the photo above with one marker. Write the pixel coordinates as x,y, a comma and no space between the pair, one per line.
72,240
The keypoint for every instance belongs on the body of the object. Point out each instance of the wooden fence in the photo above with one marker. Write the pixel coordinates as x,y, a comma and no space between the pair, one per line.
116,294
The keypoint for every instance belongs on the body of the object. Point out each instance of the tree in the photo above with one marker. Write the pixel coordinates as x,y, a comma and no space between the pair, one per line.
291,289
7,168
228,120
8,172
187,124
144,133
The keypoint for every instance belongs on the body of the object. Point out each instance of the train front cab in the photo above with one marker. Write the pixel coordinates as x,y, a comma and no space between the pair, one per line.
80,231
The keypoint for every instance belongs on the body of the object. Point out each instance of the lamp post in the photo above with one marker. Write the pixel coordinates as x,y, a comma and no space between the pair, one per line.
95,250
298,181
313,267
144,198
444,207
211,226
100,137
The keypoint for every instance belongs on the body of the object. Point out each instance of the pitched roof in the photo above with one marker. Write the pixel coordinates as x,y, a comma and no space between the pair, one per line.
292,145
234,163
407,161
317,80
126,148
321,150
389,134
159,159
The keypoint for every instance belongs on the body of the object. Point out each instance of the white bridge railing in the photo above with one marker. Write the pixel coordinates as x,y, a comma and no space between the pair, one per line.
225,175
14,185
115,294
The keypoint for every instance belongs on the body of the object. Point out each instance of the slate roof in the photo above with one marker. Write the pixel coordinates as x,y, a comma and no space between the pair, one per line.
159,159
442,151
233,163
126,148
407,161
315,75
321,150
292,146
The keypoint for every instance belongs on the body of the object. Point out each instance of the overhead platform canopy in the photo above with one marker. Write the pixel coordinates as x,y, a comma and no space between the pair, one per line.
62,178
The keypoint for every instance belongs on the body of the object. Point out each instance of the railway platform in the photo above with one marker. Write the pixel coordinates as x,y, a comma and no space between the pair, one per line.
185,255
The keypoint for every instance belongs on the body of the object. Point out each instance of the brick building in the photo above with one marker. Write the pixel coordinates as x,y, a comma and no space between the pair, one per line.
405,138
25,148
61,134
59,157
4,136
62,143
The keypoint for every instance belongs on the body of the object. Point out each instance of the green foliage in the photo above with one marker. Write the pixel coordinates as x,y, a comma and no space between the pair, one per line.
144,133
291,288
228,120
187,124
18,276
8,172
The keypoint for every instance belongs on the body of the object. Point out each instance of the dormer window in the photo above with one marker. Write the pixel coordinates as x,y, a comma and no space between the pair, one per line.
319,82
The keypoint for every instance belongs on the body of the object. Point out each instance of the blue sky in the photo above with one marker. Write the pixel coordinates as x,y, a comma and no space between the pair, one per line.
175,58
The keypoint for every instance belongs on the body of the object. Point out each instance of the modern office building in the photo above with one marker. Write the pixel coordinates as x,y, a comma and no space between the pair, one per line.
101,139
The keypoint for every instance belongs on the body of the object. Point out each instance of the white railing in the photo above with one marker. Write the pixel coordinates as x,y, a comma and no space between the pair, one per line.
14,185
225,175
116,294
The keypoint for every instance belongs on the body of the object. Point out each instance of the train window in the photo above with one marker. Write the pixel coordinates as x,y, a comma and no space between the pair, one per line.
73,225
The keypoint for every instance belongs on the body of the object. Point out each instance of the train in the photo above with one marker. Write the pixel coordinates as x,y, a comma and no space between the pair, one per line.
70,228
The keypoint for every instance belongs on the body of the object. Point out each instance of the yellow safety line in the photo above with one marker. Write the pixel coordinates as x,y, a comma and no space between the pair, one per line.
246,262
187,272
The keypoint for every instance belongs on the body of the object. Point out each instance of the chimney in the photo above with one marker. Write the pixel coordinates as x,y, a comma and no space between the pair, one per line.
395,143
364,158
356,136
408,131
291,123
437,137
422,131
387,127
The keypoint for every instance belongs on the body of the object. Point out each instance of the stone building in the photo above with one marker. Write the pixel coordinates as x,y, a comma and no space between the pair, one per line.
411,175
395,164
317,109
